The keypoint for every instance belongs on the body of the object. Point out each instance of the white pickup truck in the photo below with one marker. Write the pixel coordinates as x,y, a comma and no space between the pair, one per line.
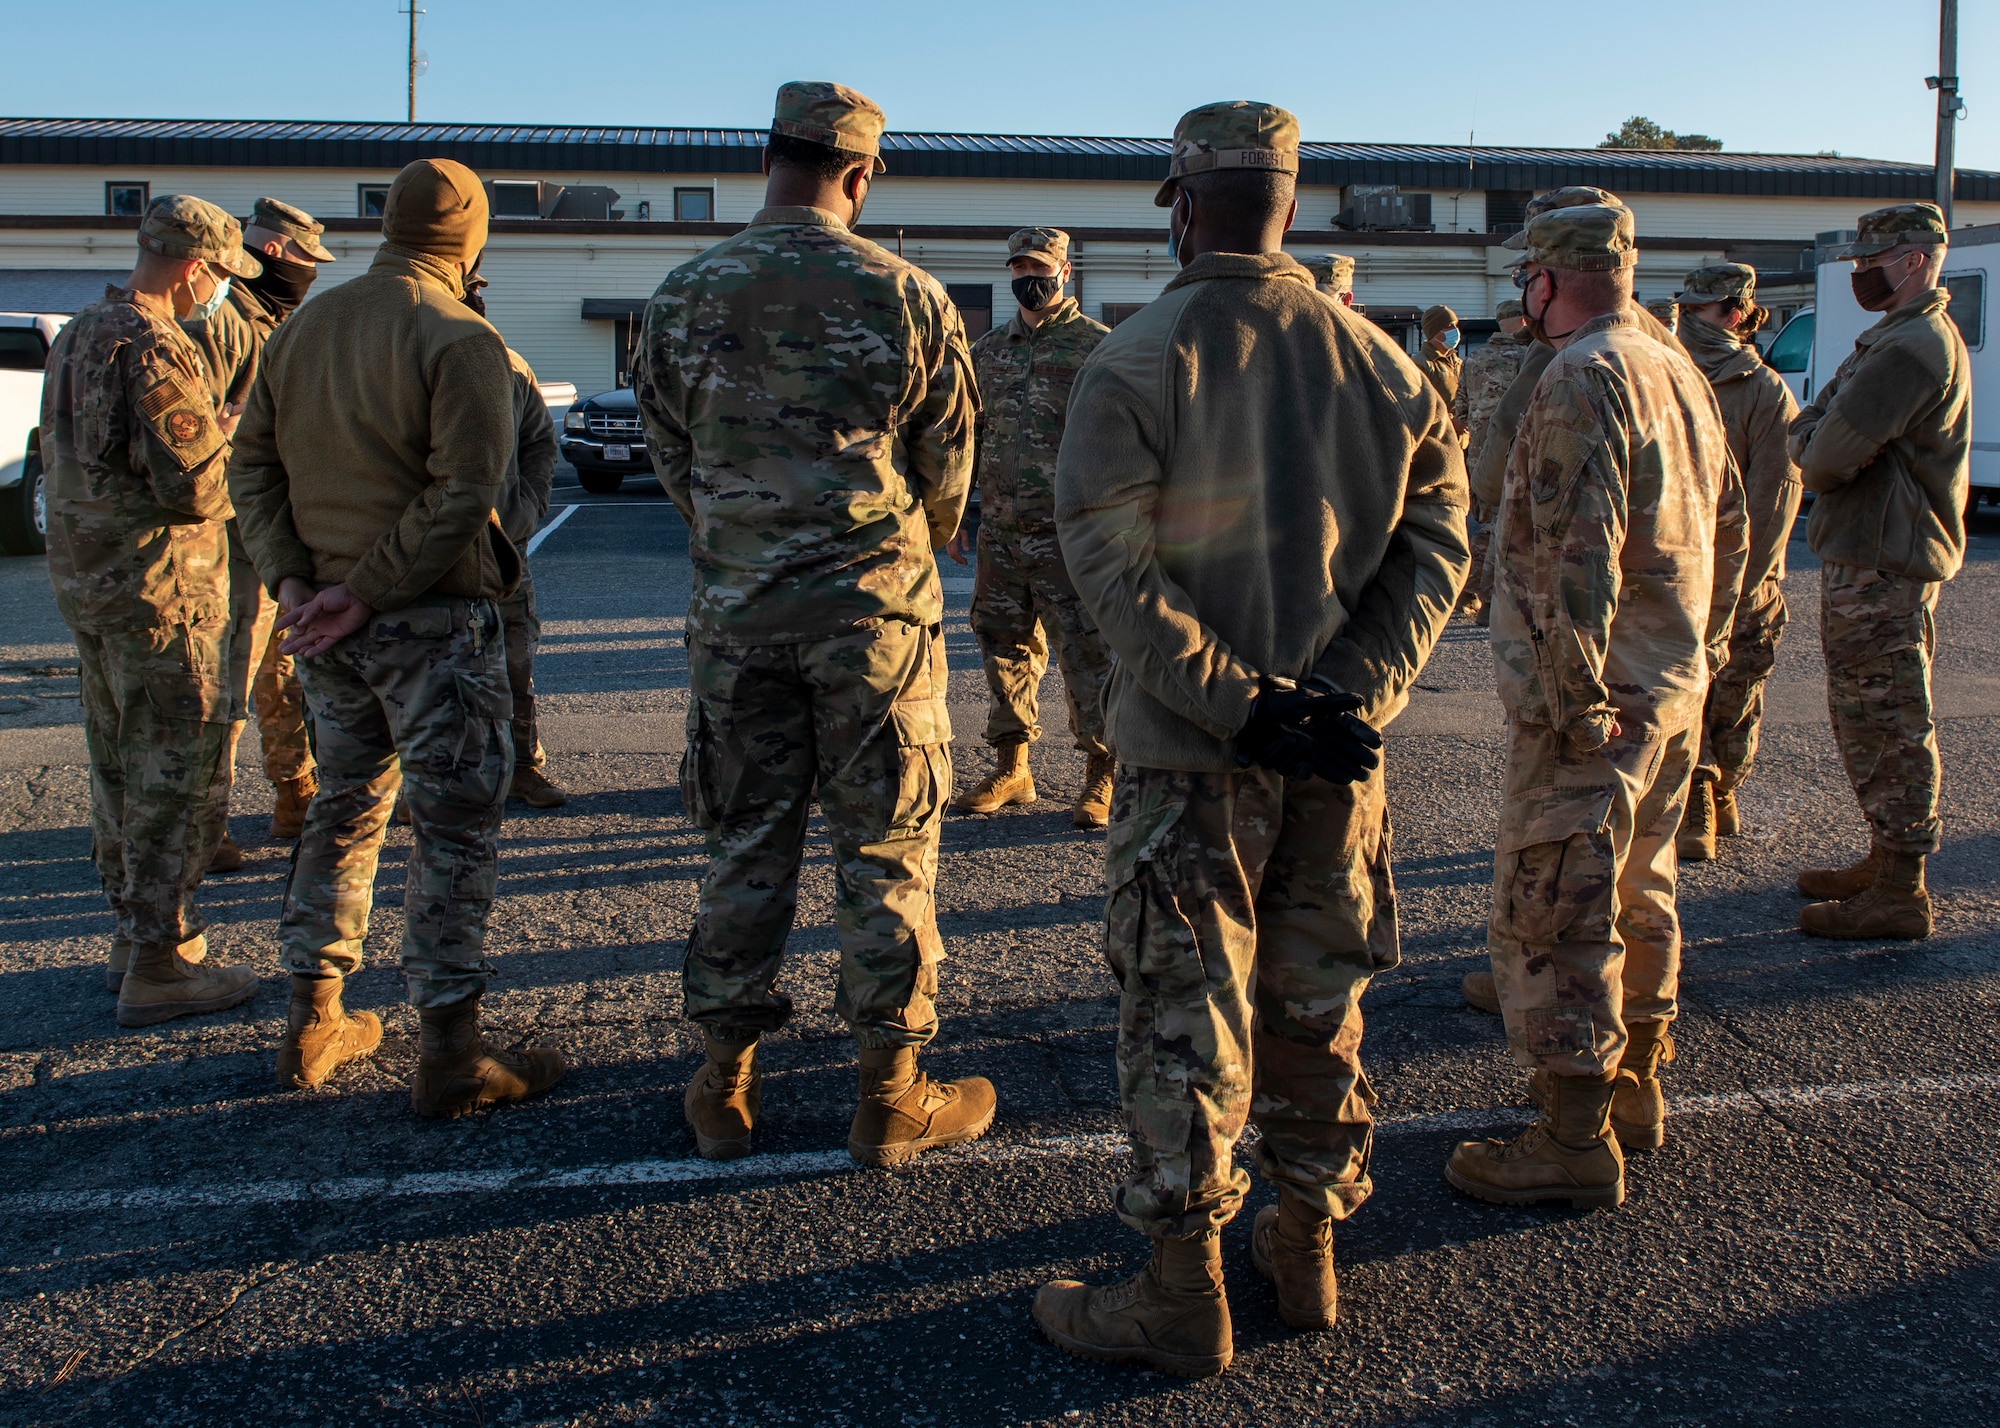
24,352
1818,340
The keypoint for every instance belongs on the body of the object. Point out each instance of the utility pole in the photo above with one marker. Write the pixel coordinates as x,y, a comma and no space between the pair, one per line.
1950,106
415,60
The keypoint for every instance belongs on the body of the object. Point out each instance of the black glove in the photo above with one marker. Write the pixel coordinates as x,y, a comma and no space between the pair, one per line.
1309,733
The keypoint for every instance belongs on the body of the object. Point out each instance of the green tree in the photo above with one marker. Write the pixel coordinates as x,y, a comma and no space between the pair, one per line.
1639,132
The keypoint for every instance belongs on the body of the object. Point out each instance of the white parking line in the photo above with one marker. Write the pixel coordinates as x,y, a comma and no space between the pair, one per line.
535,542
828,1162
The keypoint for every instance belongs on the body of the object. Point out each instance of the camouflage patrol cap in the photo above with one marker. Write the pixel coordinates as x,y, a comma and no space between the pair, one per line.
1439,319
1733,283
179,225
1894,226
295,223
1050,243
831,114
1231,134
1667,311
1332,270
1594,237
1509,308
1575,196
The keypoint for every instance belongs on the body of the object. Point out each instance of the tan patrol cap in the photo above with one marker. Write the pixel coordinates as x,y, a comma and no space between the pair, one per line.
1511,307
831,114
1050,243
1332,270
1575,196
1595,237
1719,282
1231,134
179,225
1892,227
295,223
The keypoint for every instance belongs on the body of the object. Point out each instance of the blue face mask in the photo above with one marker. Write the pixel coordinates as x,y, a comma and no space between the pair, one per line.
1448,339
203,311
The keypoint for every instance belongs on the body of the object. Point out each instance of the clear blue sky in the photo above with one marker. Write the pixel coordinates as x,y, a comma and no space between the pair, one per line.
1840,74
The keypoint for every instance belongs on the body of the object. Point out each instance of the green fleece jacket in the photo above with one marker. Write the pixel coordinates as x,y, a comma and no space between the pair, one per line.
377,441
1255,484
1886,446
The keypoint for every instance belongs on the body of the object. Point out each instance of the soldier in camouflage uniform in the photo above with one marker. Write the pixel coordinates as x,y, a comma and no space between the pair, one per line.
1022,598
1272,574
138,559
231,335
1667,312
809,401
1487,375
1333,274
1886,446
1718,312
1613,600
365,476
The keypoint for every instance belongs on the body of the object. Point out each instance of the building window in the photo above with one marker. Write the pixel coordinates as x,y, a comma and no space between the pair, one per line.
127,200
1507,209
517,200
374,198
694,205
974,302
1117,312
1968,305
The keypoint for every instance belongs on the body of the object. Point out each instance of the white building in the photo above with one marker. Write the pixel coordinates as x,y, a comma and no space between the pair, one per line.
587,220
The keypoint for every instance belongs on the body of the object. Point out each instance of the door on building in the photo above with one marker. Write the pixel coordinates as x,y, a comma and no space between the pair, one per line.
974,302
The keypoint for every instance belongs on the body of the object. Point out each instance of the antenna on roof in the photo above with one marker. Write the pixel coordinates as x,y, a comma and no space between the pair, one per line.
419,61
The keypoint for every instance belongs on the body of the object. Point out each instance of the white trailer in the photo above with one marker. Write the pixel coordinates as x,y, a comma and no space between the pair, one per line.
1815,343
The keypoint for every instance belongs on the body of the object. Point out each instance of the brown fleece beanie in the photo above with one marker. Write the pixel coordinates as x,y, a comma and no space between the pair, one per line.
1436,319
436,206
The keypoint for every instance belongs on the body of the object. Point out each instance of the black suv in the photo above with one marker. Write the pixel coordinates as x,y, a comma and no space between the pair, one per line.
603,440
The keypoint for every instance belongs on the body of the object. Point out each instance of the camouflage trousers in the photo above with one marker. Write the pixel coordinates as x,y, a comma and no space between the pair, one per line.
1480,580
1584,933
1246,913
1023,603
417,701
860,719
1735,708
524,637
156,723
261,678
1879,632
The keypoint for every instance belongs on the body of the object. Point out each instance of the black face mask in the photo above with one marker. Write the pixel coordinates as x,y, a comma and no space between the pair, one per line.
283,283
1872,288
1037,291
475,298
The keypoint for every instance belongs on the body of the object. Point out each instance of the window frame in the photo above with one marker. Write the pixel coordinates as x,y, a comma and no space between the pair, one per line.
707,191
1977,275
1811,337
145,187
361,192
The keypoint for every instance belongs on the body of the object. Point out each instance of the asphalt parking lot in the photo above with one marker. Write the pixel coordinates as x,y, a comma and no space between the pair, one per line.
183,1243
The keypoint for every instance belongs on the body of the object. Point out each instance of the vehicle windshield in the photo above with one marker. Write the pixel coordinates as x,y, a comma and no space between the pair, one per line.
1793,347
22,350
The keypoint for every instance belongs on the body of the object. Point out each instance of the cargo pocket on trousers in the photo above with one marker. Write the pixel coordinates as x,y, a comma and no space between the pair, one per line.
922,730
487,705
693,757
187,679
1556,874
1149,944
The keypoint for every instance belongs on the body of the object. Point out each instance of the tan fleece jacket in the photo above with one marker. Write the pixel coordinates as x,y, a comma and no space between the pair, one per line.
1757,409
531,473
1255,483
377,440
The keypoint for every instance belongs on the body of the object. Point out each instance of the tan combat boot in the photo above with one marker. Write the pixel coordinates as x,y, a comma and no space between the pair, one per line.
1293,1248
117,964
1695,842
459,1071
1010,782
1728,821
536,789
723,1099
904,1113
1569,1154
1093,805
1896,907
161,985
1172,1315
1480,993
321,1035
288,818
1839,884
228,857
1638,1103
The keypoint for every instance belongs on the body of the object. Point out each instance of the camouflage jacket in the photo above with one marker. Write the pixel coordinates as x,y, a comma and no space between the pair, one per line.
1615,592
1757,410
229,344
809,402
1484,381
135,463
1025,376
